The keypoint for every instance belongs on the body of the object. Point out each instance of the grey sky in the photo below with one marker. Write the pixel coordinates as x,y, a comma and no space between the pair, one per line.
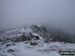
14,13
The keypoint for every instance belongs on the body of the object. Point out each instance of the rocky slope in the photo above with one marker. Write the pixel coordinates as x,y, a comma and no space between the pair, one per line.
33,40
26,33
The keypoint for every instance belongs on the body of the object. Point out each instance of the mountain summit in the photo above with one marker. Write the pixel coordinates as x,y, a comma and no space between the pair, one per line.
27,33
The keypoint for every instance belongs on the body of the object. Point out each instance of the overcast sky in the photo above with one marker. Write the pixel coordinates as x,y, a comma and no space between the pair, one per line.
60,13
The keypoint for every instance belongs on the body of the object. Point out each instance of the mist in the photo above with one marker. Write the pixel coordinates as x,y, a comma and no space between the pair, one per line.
58,13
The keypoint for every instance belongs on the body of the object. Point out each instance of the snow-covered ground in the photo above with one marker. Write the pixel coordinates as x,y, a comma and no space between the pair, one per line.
44,49
25,49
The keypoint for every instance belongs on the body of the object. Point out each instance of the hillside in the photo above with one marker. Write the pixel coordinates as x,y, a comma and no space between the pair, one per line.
33,40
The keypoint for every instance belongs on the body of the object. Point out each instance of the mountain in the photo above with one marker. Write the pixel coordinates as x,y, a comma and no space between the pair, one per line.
27,33
39,31
34,40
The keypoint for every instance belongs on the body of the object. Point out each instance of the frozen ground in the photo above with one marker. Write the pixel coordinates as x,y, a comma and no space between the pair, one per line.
25,49
44,49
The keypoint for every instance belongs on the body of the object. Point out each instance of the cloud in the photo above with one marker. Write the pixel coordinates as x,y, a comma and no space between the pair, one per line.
16,13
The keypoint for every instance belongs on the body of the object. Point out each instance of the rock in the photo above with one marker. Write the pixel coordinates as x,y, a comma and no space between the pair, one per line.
33,43
11,50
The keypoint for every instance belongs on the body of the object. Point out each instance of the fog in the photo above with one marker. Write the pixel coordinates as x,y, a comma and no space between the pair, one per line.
59,13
